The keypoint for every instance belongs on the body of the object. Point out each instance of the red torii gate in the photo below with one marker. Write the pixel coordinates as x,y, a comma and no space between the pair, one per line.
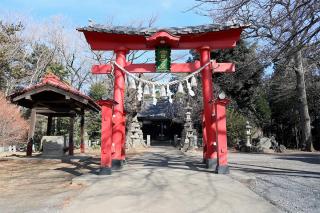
204,39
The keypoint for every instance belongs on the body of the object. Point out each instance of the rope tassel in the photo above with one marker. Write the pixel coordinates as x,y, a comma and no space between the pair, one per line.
132,83
180,88
191,93
154,98
146,90
193,81
169,94
163,92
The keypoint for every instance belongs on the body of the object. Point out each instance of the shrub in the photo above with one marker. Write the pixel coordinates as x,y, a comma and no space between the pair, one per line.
13,128
236,125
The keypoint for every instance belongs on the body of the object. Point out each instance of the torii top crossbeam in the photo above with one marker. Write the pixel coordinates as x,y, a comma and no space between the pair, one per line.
215,36
113,38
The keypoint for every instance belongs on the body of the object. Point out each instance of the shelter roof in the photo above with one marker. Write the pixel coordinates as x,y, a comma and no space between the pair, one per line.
55,95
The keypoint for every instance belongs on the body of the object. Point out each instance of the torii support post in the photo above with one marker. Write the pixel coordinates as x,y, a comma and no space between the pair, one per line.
206,75
106,136
221,125
118,130
31,132
204,139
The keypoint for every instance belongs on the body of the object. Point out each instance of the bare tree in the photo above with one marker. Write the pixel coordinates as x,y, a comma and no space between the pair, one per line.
13,128
284,29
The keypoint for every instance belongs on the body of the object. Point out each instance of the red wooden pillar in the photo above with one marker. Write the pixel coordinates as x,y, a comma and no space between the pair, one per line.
206,75
221,125
106,136
204,138
118,130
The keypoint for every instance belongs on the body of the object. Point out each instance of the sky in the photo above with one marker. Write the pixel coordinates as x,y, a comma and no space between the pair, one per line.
169,13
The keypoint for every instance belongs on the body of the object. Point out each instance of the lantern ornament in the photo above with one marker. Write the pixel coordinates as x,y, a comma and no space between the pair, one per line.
163,59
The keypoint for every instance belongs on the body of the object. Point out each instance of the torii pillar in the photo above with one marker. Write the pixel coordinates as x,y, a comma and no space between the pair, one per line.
119,127
106,136
221,126
210,128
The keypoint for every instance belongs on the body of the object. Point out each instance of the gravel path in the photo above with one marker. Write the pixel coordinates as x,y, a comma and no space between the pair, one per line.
290,181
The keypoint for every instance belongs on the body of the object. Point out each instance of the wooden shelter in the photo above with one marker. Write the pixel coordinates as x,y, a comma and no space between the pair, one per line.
54,98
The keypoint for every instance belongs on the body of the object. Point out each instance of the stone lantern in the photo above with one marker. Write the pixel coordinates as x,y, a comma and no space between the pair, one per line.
248,134
189,134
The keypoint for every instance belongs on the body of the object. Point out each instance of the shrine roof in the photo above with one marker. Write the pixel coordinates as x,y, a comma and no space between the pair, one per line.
126,30
164,110
53,93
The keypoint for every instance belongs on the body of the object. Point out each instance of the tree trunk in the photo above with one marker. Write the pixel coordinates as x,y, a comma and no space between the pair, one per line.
303,104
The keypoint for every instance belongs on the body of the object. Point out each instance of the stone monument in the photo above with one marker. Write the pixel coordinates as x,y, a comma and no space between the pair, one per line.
53,146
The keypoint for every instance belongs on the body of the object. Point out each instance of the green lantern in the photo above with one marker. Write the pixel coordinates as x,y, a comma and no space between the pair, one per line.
163,59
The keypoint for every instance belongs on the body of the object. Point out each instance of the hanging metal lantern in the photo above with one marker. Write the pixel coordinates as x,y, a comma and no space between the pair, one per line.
132,83
146,90
180,88
193,81
163,92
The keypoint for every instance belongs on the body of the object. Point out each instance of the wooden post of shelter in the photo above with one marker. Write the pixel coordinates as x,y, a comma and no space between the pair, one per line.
71,126
82,145
49,125
31,131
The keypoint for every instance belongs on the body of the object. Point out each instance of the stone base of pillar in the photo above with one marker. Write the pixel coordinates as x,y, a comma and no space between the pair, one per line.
222,169
204,161
117,164
211,163
105,171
